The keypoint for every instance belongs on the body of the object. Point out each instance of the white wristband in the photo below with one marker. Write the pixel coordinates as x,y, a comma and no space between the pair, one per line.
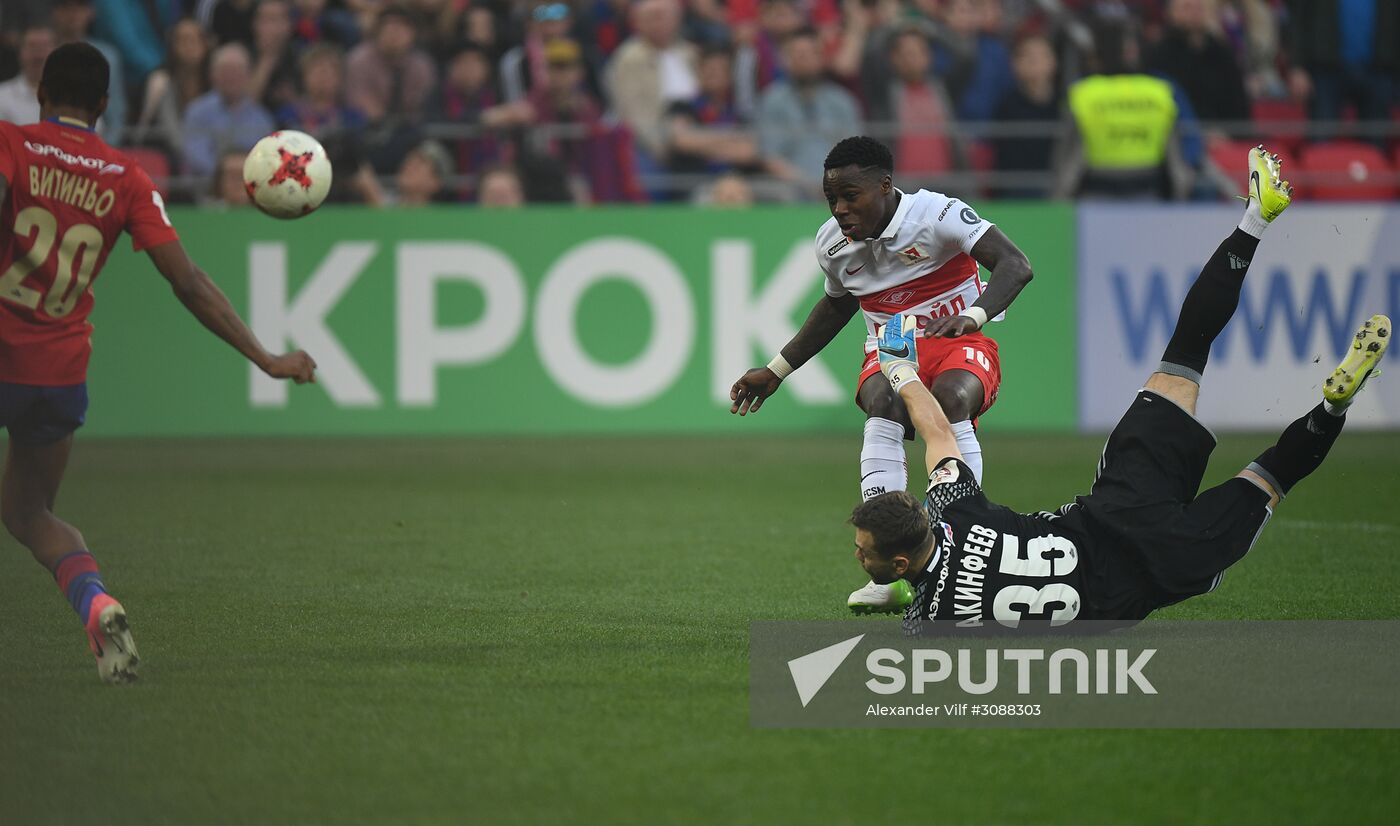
977,314
780,366
901,373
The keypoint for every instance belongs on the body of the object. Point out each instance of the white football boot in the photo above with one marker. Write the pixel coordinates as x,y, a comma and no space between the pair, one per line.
109,637
881,599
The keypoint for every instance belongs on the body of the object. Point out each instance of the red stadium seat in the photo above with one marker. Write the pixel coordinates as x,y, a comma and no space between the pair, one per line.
981,156
1345,171
1279,123
154,161
1265,110
1230,155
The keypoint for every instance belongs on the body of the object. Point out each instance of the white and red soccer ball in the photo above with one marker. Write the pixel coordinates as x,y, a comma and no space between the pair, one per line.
287,174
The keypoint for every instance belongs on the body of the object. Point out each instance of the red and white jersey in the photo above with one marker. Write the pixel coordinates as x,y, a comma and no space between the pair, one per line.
70,197
920,265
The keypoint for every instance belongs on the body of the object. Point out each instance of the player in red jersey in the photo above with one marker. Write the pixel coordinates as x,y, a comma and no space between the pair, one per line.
65,198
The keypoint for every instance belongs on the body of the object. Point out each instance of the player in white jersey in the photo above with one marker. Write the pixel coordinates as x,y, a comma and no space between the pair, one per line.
1146,535
886,252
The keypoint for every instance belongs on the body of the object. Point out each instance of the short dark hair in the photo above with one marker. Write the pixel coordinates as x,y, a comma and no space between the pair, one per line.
897,522
396,11
866,153
469,48
907,31
800,33
1111,40
323,51
716,50
1028,35
76,74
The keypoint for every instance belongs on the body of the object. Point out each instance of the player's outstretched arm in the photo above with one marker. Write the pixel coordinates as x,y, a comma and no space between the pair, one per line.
1010,273
899,361
203,298
827,319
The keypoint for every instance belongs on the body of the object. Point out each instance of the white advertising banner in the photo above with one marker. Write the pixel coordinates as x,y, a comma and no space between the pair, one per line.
1319,272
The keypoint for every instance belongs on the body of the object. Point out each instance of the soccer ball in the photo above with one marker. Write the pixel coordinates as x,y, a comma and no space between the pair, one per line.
287,174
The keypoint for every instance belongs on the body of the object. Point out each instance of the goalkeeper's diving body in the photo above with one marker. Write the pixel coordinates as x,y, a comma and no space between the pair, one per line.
1142,538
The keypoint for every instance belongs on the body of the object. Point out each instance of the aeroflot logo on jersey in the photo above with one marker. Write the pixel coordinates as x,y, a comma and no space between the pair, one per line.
102,167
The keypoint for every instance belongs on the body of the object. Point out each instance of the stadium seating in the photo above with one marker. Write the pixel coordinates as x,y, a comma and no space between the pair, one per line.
156,164
1229,155
982,162
1346,171
981,156
1282,121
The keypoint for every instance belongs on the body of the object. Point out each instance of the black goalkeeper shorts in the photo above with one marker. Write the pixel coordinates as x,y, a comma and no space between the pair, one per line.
1144,503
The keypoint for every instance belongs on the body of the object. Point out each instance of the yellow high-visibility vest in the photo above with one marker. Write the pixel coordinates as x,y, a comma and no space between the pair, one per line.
1125,120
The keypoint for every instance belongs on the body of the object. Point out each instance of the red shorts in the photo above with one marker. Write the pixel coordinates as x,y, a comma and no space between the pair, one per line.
974,353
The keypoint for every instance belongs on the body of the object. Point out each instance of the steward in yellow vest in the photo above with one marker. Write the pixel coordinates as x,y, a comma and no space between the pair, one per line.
1121,137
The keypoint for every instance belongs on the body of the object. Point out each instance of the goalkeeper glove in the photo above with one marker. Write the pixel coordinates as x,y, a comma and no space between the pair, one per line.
899,354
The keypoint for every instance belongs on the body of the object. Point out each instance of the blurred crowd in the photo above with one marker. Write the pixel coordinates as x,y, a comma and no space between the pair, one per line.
504,102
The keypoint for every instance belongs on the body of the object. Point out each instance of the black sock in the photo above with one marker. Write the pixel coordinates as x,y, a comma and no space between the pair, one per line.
1209,305
1300,450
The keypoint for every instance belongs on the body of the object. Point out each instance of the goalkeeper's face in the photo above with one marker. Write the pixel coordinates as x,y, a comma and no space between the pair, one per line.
892,533
882,571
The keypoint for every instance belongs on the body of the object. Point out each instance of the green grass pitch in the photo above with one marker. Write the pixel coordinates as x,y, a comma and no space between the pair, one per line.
555,631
